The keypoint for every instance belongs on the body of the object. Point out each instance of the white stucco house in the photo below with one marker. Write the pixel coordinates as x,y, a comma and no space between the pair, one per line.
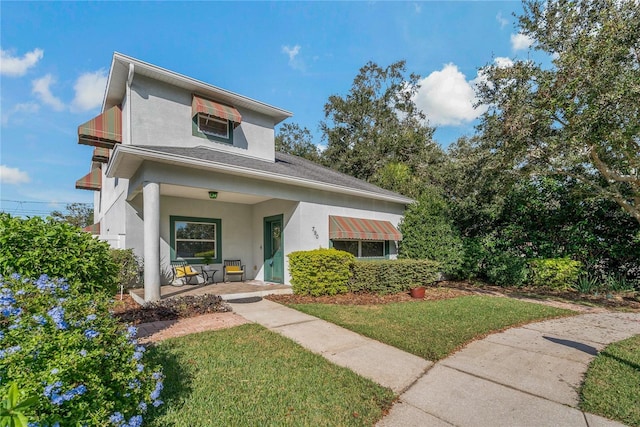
181,168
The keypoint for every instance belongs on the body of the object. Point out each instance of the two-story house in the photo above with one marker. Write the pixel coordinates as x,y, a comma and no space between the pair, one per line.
182,169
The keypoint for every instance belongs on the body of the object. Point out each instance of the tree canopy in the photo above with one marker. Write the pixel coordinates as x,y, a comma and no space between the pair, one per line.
580,117
77,214
377,124
292,139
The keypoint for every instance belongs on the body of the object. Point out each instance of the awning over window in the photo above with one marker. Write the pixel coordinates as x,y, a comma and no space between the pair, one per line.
91,181
93,228
212,108
100,155
104,130
346,228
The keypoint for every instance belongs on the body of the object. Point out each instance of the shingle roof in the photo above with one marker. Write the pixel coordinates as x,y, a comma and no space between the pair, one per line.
285,165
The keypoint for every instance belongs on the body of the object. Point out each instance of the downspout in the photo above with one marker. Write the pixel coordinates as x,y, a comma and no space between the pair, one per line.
128,97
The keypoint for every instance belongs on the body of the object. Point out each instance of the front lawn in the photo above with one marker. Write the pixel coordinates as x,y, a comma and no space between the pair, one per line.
432,329
612,384
248,375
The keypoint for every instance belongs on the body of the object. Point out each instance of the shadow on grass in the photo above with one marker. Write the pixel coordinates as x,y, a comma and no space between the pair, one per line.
629,363
176,383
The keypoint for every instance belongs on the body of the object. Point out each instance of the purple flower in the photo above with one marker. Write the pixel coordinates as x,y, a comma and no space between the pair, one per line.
83,353
117,418
132,331
9,351
40,319
57,315
157,403
91,333
135,421
91,317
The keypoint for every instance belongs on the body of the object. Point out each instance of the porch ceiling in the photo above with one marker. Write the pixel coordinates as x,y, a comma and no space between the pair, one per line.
203,194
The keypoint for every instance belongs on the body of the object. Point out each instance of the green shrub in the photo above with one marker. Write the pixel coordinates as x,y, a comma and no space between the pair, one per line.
428,233
65,348
129,267
505,269
474,255
555,273
320,271
392,276
34,246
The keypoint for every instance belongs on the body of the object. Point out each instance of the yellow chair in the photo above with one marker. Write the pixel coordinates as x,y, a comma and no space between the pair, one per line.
183,271
232,267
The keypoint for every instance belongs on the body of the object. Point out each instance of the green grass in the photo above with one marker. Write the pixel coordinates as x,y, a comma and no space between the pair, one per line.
612,384
250,376
432,329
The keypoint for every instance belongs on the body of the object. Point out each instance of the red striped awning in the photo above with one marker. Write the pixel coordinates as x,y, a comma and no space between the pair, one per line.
100,155
212,108
104,130
93,228
91,181
346,228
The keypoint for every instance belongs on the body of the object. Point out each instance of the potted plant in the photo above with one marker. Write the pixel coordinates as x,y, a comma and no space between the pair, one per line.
417,291
207,269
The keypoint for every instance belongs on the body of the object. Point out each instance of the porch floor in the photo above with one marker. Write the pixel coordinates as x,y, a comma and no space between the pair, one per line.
227,290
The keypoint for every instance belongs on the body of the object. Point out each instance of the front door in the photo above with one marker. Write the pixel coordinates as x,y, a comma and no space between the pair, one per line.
273,249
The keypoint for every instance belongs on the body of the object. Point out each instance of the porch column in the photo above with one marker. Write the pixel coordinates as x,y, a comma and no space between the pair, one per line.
151,200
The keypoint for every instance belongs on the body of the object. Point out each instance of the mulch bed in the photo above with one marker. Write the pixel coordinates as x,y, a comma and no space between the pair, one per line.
127,310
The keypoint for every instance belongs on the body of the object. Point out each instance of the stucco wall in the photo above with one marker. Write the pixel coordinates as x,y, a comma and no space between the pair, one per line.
161,116
236,228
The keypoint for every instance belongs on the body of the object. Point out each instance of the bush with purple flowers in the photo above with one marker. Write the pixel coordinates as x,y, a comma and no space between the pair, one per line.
66,348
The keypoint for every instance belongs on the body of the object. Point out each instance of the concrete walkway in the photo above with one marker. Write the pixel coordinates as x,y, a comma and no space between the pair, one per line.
527,376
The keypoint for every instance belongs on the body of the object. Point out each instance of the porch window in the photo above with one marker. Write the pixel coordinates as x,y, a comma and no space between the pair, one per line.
194,238
363,248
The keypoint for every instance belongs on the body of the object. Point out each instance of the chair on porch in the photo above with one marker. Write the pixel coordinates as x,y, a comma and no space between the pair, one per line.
183,271
232,267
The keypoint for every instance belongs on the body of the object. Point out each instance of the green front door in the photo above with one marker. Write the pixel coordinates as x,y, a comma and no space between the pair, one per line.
273,249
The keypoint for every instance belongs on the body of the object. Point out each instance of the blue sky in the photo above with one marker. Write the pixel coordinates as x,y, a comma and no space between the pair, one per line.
293,55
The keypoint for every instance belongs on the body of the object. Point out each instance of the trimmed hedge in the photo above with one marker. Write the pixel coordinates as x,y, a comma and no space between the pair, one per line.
392,276
320,271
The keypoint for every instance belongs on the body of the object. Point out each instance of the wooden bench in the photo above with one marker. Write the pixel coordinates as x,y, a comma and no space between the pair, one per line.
183,271
232,267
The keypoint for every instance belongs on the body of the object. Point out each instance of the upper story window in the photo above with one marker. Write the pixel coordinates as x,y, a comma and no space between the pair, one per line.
214,126
213,120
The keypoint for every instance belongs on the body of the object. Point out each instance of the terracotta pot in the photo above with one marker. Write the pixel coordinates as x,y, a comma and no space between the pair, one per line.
417,292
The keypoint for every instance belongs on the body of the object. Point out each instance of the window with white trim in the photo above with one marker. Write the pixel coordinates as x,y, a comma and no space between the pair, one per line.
362,248
213,126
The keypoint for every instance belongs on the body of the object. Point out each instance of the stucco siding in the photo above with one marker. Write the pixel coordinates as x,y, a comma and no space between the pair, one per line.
236,228
161,116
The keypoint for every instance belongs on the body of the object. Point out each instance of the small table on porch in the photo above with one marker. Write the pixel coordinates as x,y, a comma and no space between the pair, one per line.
209,275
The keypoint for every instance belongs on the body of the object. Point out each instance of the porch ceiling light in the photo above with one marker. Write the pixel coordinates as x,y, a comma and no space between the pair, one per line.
213,195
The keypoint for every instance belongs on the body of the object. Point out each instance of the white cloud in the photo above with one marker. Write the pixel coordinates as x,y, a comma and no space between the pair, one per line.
294,61
89,89
13,175
14,66
501,20
41,88
447,98
503,62
520,41
27,107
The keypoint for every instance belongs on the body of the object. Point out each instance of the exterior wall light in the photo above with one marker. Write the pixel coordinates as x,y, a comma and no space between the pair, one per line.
213,195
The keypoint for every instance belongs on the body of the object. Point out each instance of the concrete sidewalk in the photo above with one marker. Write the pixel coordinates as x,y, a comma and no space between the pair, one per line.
526,376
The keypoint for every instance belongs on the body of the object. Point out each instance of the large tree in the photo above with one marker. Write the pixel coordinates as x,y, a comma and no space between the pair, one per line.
580,115
377,126
292,139
77,214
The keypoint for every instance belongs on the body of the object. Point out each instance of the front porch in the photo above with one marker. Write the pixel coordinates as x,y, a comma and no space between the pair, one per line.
227,290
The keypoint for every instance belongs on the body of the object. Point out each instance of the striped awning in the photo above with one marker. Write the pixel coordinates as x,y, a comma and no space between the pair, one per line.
91,181
93,228
212,108
100,155
346,228
104,130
